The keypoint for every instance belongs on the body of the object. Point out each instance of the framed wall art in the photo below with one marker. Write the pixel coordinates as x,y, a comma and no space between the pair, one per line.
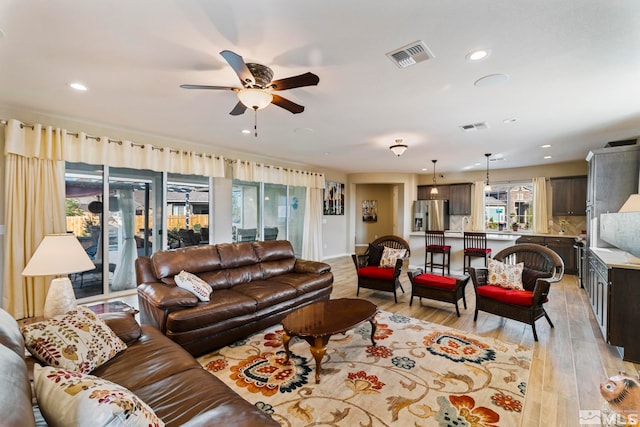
370,211
334,198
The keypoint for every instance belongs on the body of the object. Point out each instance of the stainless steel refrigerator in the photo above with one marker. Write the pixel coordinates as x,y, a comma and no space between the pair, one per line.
430,215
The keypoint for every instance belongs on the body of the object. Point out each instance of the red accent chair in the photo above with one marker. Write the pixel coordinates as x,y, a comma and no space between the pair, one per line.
439,288
370,276
542,267
434,243
475,246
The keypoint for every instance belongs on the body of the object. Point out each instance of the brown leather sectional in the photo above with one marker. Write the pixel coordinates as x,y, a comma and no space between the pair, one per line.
255,284
153,367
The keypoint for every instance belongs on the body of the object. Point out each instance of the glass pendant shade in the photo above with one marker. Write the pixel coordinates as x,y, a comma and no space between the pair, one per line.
256,99
434,189
398,148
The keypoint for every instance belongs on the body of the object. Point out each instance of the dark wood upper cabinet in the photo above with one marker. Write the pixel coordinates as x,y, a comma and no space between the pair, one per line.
569,196
460,199
424,192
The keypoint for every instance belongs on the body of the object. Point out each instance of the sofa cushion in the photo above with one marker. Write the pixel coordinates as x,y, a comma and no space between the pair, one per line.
78,340
193,284
305,282
375,254
435,281
68,398
530,276
233,255
507,296
373,272
505,275
390,256
15,393
195,259
124,325
266,292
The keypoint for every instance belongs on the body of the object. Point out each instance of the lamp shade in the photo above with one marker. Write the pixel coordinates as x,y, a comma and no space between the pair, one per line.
58,254
255,98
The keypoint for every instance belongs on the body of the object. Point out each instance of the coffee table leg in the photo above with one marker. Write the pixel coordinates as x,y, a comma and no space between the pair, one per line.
318,349
285,341
374,326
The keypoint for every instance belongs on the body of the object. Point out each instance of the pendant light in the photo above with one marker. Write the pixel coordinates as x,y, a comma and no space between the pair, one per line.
487,186
399,147
434,189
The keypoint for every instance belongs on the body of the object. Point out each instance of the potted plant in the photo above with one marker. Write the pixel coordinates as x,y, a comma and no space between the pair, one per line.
514,226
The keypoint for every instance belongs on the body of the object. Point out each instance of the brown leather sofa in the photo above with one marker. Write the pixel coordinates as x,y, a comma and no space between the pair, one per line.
255,284
154,368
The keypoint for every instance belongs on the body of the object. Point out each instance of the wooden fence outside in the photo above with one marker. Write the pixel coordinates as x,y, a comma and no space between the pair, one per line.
78,224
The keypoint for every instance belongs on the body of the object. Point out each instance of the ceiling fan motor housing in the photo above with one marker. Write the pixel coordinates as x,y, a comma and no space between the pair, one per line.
262,74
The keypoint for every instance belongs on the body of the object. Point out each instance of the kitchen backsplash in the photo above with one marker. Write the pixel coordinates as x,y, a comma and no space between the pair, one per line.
574,224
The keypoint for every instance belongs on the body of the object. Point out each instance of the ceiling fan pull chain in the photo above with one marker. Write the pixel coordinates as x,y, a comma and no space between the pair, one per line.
255,121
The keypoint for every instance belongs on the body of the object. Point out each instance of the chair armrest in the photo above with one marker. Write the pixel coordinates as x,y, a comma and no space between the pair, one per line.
414,273
360,260
314,267
541,290
478,276
166,297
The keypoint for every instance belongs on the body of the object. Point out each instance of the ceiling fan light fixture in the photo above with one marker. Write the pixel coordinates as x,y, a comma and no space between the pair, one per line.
399,147
256,99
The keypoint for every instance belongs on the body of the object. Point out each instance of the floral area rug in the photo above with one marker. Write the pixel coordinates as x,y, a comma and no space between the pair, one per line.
418,374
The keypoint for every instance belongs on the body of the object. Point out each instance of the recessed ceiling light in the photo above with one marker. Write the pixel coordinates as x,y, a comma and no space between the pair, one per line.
545,146
477,55
423,169
510,120
477,164
547,157
246,131
77,86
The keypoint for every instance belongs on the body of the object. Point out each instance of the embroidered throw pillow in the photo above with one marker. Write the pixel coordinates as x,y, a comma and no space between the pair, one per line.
194,284
505,275
78,340
68,398
389,257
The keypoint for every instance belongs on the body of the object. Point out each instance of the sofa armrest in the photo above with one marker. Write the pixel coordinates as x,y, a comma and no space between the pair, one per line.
124,325
314,267
167,297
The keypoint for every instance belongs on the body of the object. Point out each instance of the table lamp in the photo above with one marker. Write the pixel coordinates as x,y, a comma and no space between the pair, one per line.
58,255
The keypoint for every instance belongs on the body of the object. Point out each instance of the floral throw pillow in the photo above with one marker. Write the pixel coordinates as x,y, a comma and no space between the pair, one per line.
389,257
78,340
193,284
505,275
68,398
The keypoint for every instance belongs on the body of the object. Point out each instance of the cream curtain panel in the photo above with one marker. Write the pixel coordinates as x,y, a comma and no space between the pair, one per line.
34,207
314,182
477,206
540,216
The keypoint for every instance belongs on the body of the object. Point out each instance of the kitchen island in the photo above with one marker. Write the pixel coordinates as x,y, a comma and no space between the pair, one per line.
495,240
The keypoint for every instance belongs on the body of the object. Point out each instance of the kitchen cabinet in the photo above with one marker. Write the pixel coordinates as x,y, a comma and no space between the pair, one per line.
424,192
460,199
563,246
614,296
569,196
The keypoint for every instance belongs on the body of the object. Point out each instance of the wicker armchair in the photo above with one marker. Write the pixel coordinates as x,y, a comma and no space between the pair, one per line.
542,268
381,279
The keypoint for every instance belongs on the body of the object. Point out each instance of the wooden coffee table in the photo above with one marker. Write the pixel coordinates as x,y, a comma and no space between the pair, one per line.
315,323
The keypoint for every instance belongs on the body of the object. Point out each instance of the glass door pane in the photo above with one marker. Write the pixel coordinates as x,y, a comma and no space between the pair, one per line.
275,212
245,211
297,207
187,210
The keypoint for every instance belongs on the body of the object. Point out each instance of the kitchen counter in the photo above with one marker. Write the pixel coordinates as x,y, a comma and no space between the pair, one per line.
617,258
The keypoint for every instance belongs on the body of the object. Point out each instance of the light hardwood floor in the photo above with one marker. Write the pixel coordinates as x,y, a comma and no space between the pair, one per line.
569,361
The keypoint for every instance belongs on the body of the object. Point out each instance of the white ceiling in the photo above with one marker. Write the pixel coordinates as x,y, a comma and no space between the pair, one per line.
573,67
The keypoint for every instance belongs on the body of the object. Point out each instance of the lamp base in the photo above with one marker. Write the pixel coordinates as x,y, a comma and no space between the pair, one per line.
60,298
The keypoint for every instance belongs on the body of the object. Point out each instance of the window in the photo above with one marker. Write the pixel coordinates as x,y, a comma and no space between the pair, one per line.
187,210
508,204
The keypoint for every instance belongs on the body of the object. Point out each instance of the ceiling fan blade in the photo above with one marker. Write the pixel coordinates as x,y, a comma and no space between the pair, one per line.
287,105
208,87
239,109
238,65
306,79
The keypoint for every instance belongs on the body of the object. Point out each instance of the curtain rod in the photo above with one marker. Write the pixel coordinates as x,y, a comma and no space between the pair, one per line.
4,122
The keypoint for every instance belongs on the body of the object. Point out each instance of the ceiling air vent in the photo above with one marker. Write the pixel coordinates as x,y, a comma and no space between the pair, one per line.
475,126
410,54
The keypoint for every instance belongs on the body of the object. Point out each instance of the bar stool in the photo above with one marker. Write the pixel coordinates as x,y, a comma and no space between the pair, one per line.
475,246
434,244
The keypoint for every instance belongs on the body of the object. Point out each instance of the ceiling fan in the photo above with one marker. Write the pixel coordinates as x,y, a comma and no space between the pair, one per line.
258,85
